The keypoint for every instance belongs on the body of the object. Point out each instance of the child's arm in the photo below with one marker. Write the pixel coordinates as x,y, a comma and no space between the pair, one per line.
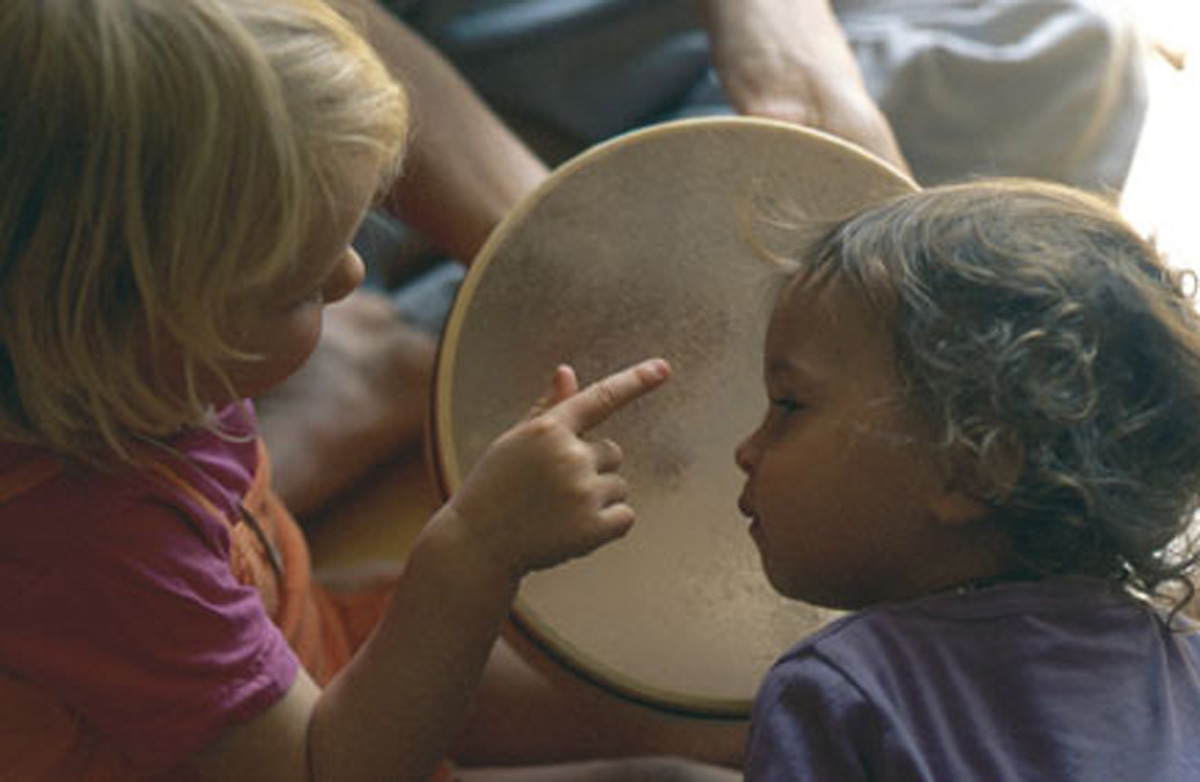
541,494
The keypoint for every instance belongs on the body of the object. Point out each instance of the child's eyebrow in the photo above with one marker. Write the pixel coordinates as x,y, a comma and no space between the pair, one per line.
780,366
787,368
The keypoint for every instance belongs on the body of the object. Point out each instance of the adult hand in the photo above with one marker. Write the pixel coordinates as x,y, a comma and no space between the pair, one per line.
789,60
542,493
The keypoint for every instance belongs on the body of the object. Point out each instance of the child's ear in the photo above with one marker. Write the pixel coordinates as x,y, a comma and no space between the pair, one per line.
976,484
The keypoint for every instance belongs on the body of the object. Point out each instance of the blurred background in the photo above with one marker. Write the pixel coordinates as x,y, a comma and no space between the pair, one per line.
1162,194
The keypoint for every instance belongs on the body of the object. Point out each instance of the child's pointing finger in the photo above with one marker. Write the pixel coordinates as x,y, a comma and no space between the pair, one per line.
593,405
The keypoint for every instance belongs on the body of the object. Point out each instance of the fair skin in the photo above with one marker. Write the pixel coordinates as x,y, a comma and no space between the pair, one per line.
789,60
848,502
464,171
367,384
782,59
283,325
364,394
542,494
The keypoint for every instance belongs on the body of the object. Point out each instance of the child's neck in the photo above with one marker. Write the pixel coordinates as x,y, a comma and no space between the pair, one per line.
977,583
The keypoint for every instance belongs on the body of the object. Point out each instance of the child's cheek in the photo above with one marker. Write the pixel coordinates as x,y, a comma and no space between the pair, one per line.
281,346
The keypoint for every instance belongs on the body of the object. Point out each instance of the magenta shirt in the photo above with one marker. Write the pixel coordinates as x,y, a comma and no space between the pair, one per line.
116,596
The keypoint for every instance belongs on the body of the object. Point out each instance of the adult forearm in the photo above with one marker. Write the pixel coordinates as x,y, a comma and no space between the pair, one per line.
465,169
790,60
738,22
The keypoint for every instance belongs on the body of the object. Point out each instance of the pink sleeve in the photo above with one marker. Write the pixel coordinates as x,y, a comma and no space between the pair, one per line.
145,630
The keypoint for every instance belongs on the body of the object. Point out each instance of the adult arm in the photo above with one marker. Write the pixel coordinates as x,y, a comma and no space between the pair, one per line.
464,169
790,60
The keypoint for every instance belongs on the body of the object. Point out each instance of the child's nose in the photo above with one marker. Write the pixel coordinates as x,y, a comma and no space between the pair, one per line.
746,453
348,275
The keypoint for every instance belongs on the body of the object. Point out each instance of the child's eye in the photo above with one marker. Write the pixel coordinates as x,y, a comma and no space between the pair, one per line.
784,405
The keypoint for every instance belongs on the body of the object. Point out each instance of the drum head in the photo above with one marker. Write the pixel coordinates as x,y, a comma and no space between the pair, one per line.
640,247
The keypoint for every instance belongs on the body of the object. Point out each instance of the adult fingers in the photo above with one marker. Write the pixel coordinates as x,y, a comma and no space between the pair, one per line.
593,405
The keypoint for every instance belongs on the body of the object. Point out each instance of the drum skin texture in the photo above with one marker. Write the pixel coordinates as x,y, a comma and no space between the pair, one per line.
656,243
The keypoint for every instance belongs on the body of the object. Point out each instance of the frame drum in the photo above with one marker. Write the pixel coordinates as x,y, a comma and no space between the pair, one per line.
641,247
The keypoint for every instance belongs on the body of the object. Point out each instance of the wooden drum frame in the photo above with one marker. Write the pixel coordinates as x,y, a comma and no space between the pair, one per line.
641,247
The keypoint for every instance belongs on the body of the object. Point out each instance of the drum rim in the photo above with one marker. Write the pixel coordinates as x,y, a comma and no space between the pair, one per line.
438,420
447,471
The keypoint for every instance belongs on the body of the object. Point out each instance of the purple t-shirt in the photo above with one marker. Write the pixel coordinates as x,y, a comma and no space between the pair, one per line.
1056,680
116,596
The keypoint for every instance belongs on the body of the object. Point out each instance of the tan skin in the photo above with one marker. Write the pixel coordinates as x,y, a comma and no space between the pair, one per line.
543,493
540,495
850,503
366,392
559,717
783,59
367,385
465,171
789,60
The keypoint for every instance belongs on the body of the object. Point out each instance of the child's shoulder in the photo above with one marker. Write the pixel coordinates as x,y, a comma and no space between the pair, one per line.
53,511
52,506
1006,619
966,675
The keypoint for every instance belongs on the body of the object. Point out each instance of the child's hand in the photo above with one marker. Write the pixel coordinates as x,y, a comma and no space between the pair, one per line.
541,493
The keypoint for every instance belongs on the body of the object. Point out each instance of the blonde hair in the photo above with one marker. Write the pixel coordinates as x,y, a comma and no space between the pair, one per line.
160,160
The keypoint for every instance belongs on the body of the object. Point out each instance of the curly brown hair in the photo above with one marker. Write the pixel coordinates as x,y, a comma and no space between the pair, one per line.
1032,317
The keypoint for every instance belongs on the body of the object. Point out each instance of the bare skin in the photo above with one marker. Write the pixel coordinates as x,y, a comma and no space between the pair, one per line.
460,179
530,715
789,60
466,169
361,397
543,493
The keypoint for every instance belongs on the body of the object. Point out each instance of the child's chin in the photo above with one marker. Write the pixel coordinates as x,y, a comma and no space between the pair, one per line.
821,596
